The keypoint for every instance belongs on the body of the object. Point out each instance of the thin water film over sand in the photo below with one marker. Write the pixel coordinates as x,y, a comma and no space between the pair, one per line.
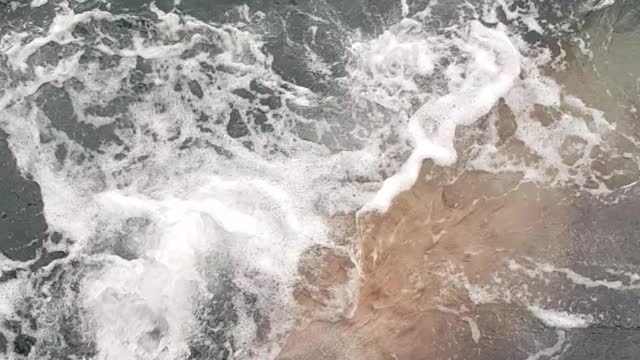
319,179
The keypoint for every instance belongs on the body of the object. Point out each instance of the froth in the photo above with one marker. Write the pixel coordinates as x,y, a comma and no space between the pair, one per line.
491,72
561,319
175,162
186,194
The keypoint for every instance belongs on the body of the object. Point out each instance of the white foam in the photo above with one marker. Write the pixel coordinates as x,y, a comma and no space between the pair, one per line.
473,326
555,349
547,147
250,216
595,5
59,32
38,3
161,290
405,8
561,319
542,268
10,296
386,69
492,71
130,301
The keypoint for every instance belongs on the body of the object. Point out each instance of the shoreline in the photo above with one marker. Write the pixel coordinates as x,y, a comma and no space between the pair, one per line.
449,259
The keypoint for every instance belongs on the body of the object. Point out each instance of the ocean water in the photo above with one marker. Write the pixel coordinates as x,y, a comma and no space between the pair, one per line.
233,180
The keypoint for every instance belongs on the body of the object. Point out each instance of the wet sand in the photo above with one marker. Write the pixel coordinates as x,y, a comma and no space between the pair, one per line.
416,257
458,264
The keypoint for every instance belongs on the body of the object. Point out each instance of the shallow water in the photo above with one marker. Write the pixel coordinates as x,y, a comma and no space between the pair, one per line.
319,179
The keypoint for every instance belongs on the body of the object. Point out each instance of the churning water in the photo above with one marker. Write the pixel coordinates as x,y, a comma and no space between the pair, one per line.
197,160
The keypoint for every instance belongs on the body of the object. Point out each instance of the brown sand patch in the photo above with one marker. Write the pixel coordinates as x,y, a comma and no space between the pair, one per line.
417,258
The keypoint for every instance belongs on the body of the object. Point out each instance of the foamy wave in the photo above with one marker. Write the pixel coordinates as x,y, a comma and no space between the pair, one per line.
188,178
491,72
